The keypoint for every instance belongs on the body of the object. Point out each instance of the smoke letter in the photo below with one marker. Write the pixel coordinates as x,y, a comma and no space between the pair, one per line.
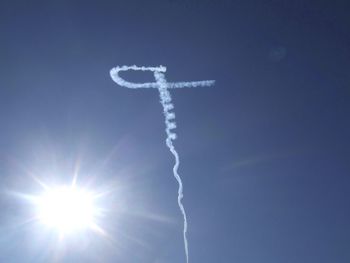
165,99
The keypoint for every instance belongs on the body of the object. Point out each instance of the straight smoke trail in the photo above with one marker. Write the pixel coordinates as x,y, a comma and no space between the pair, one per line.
165,99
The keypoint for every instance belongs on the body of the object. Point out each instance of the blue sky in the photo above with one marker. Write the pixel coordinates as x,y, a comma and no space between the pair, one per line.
264,153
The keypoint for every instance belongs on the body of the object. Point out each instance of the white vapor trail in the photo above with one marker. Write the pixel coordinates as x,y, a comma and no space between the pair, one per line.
165,99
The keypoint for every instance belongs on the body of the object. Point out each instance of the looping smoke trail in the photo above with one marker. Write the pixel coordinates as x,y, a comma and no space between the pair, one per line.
165,99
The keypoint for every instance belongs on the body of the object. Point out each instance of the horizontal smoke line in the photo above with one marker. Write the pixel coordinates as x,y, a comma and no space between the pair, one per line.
170,85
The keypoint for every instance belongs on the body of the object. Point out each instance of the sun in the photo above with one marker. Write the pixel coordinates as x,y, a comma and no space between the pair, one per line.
67,209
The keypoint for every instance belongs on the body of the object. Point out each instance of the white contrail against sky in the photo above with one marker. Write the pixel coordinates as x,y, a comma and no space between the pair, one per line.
165,99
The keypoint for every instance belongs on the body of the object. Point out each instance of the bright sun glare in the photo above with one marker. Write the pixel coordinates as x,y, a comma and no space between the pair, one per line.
67,209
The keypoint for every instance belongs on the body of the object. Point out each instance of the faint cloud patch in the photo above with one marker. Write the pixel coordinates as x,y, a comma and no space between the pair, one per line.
261,159
252,161
278,53
195,4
